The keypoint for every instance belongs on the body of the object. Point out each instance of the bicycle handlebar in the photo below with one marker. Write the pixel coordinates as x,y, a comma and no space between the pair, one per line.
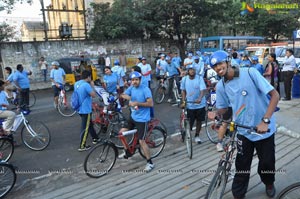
234,125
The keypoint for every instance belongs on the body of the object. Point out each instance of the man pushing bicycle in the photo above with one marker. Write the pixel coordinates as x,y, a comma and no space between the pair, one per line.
140,101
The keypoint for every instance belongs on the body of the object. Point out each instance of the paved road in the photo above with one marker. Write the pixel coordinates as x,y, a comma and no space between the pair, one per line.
62,151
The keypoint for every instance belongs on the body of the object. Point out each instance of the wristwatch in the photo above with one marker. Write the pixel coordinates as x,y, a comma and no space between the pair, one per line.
266,120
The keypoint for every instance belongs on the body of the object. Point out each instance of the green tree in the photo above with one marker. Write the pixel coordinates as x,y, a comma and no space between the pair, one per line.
7,32
8,5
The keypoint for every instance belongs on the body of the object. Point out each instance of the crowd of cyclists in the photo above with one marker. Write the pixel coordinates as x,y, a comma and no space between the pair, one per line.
193,75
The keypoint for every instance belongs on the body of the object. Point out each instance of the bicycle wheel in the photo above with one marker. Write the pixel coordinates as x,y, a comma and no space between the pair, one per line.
159,95
155,140
217,185
113,130
32,99
7,178
181,127
36,135
6,149
64,108
100,160
210,132
290,192
188,138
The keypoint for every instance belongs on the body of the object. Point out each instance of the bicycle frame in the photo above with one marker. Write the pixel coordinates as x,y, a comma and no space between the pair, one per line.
131,148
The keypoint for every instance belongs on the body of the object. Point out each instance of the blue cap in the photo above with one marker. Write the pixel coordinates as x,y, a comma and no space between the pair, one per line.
135,74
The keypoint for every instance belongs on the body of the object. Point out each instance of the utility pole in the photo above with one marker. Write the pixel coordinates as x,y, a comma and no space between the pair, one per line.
44,20
84,18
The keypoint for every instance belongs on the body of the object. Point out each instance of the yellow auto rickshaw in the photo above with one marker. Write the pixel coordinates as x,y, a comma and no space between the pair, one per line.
73,66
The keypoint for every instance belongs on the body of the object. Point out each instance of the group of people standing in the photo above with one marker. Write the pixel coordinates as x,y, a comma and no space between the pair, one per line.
271,70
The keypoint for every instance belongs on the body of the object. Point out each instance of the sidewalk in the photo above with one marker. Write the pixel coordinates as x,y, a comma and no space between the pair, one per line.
175,176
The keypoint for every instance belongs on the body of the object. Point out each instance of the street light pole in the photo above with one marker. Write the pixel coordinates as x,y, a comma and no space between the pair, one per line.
44,20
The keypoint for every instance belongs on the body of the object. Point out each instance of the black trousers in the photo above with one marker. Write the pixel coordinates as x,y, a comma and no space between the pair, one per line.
24,98
287,80
266,165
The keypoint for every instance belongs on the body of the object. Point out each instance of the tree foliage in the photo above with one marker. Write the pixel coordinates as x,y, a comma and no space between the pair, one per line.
8,5
7,32
180,20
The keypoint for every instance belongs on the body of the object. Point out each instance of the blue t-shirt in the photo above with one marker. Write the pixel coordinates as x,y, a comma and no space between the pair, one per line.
111,82
120,72
57,75
248,99
172,69
259,67
236,62
199,67
139,94
84,89
245,63
163,64
193,87
176,60
3,100
22,79
10,78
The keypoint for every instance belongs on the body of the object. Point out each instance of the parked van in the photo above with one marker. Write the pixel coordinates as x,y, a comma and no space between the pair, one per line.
262,51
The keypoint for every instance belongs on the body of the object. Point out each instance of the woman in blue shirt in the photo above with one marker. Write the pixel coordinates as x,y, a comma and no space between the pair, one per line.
111,80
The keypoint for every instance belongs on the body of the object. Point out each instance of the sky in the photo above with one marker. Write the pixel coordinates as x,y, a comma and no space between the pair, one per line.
26,11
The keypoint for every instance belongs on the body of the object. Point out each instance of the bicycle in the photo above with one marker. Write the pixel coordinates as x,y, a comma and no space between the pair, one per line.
290,192
35,135
218,184
32,99
185,130
64,106
108,119
6,148
101,159
175,90
7,178
210,106
161,91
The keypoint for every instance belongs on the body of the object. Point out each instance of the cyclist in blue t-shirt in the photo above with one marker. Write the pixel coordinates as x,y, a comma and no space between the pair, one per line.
192,89
57,77
9,85
140,101
85,90
22,83
253,101
173,71
117,69
9,116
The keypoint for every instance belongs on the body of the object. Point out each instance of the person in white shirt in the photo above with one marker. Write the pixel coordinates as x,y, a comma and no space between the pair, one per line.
289,64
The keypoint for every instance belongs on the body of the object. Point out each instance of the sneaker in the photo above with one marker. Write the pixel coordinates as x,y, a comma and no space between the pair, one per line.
219,147
149,167
95,141
169,100
198,140
270,190
84,149
127,154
